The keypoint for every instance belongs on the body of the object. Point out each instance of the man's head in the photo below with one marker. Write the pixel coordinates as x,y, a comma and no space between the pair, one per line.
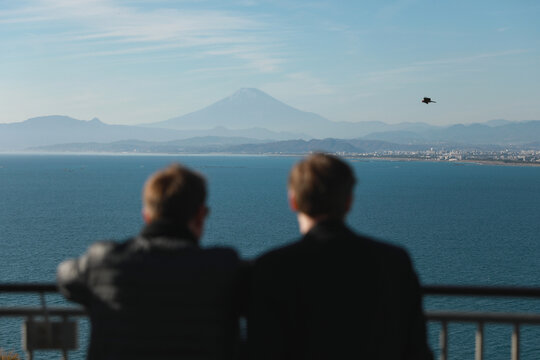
175,194
321,186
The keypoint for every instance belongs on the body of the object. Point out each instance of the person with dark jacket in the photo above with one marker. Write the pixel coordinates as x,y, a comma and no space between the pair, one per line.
333,294
159,295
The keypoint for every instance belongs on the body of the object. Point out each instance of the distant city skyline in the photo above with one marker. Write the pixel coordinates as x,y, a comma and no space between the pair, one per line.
141,61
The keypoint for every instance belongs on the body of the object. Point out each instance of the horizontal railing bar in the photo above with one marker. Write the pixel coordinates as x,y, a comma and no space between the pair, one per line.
442,316
446,290
459,316
38,311
28,287
446,316
467,290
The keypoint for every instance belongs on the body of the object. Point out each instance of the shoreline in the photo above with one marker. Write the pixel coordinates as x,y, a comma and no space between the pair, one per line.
349,157
460,162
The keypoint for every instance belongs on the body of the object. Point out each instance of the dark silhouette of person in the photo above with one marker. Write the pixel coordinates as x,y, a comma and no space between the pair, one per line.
333,294
159,295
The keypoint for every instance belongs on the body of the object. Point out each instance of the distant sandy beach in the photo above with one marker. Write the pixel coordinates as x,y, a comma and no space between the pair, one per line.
457,162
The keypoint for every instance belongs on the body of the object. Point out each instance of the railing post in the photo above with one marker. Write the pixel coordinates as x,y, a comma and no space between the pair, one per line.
64,350
479,353
30,353
515,342
443,340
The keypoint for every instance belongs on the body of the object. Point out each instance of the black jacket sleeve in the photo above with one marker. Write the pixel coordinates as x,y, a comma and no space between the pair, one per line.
72,274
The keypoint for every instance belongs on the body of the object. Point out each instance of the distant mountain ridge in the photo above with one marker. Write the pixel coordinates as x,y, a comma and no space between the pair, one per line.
249,107
191,145
59,129
55,129
254,116
507,133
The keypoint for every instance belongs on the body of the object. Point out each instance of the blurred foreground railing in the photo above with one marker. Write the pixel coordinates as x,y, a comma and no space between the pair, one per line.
481,318
43,332
44,328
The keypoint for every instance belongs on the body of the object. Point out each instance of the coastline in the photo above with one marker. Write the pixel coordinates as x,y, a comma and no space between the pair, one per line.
225,154
457,162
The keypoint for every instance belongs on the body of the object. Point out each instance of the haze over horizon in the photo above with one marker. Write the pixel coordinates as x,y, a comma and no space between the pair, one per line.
133,62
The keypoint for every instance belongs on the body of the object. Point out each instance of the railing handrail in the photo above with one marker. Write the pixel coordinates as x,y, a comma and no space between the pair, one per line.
28,287
445,290
470,290
22,311
443,317
483,317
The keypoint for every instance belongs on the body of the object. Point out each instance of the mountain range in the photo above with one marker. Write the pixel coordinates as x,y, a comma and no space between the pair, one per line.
252,117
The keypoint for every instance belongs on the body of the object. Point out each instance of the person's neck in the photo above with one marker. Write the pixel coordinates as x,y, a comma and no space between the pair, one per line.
306,222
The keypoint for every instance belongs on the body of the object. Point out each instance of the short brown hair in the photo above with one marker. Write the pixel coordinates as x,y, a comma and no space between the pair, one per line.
174,193
322,185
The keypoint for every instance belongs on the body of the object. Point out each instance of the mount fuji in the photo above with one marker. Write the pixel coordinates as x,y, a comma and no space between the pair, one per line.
252,108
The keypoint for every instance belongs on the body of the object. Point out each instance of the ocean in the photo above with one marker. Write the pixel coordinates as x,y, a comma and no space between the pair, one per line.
461,223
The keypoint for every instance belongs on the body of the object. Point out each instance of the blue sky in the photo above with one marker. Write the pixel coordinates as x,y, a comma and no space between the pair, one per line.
129,62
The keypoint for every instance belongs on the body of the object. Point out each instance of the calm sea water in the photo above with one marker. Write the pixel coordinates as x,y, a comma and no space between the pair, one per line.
461,223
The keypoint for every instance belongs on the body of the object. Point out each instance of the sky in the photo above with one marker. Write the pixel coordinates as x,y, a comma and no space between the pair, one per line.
132,62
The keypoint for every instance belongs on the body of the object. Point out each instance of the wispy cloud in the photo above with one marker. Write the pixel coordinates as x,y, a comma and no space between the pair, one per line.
302,85
108,28
253,54
472,58
423,66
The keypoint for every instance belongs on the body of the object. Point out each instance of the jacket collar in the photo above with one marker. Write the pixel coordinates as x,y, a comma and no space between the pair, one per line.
166,229
326,230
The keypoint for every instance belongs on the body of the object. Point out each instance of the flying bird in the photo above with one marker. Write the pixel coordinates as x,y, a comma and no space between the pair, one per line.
428,100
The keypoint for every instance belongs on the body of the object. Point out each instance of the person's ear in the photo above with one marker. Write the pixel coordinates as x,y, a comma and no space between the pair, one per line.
203,213
200,216
196,224
146,217
291,196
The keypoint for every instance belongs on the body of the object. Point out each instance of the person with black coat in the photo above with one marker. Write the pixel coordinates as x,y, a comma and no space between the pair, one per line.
160,295
333,294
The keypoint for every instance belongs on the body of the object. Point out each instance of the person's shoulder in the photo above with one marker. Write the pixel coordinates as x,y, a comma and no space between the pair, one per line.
384,248
221,250
102,247
391,257
280,254
382,245
102,250
277,263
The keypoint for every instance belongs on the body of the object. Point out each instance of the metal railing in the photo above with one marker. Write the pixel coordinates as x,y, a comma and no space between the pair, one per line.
40,330
40,289
516,320
481,318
